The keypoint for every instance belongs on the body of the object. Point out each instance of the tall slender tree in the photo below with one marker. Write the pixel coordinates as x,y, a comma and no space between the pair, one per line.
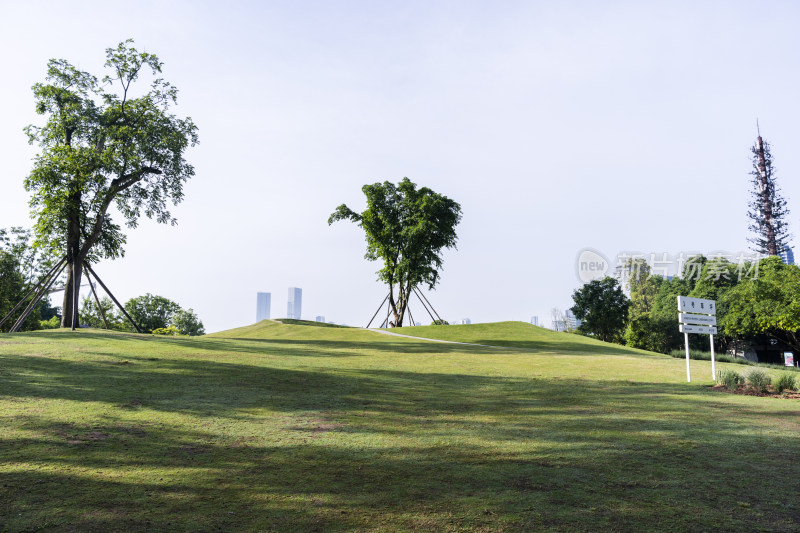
105,144
768,209
407,228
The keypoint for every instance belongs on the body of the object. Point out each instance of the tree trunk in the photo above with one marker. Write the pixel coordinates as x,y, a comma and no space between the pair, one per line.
72,295
72,289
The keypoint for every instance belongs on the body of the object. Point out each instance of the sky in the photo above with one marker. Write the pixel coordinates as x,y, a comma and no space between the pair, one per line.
623,127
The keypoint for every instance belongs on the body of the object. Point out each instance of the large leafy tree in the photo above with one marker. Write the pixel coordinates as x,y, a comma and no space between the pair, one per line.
106,145
151,311
768,212
602,308
766,304
406,228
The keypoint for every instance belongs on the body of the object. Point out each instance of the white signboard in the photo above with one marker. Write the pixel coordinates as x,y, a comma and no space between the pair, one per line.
788,358
705,320
697,305
705,330
697,315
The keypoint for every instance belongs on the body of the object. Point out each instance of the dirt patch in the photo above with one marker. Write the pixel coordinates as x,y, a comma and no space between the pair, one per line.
749,391
194,450
317,423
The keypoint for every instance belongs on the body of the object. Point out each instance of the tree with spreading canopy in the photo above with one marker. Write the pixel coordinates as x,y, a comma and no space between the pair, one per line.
602,308
765,304
406,228
104,147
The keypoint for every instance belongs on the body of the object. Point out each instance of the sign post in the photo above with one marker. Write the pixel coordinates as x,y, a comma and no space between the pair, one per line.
697,315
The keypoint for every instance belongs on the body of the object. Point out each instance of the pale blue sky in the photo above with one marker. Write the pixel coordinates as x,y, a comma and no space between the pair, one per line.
557,126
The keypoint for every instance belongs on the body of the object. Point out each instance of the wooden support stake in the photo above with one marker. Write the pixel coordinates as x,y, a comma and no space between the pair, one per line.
36,299
96,299
124,312
378,311
34,288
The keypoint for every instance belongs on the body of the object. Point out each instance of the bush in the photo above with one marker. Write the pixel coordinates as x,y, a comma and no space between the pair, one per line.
730,379
53,323
785,381
759,380
172,330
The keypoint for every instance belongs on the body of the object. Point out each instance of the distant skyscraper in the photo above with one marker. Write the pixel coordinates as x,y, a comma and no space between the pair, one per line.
295,306
787,255
262,306
466,321
570,320
535,320
320,318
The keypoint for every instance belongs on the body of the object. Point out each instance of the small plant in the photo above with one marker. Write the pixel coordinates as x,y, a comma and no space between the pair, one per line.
53,323
785,381
172,330
730,379
759,380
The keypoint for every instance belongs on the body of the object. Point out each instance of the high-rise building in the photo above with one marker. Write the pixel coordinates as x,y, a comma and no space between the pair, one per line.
787,255
262,306
295,307
466,321
571,321
535,320
320,318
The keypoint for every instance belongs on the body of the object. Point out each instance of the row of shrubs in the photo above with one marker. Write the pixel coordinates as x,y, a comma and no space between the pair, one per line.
758,380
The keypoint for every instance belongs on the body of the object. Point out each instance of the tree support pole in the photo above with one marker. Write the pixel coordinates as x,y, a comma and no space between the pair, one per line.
378,311
96,299
433,318
34,288
36,299
419,293
124,312
408,308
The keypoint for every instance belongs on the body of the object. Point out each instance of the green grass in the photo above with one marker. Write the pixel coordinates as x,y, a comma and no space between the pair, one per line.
286,427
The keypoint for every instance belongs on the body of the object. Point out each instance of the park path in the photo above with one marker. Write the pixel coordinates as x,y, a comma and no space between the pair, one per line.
384,332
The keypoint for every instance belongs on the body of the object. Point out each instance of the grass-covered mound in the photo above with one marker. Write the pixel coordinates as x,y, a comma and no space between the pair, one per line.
519,335
304,428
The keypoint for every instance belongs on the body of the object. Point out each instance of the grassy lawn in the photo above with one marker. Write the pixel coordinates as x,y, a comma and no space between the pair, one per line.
292,427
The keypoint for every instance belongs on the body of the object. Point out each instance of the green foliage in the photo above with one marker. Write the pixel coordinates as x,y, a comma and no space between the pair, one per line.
91,316
642,286
169,331
52,323
602,308
151,312
439,322
99,147
730,379
766,304
187,323
786,381
759,380
12,289
406,228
